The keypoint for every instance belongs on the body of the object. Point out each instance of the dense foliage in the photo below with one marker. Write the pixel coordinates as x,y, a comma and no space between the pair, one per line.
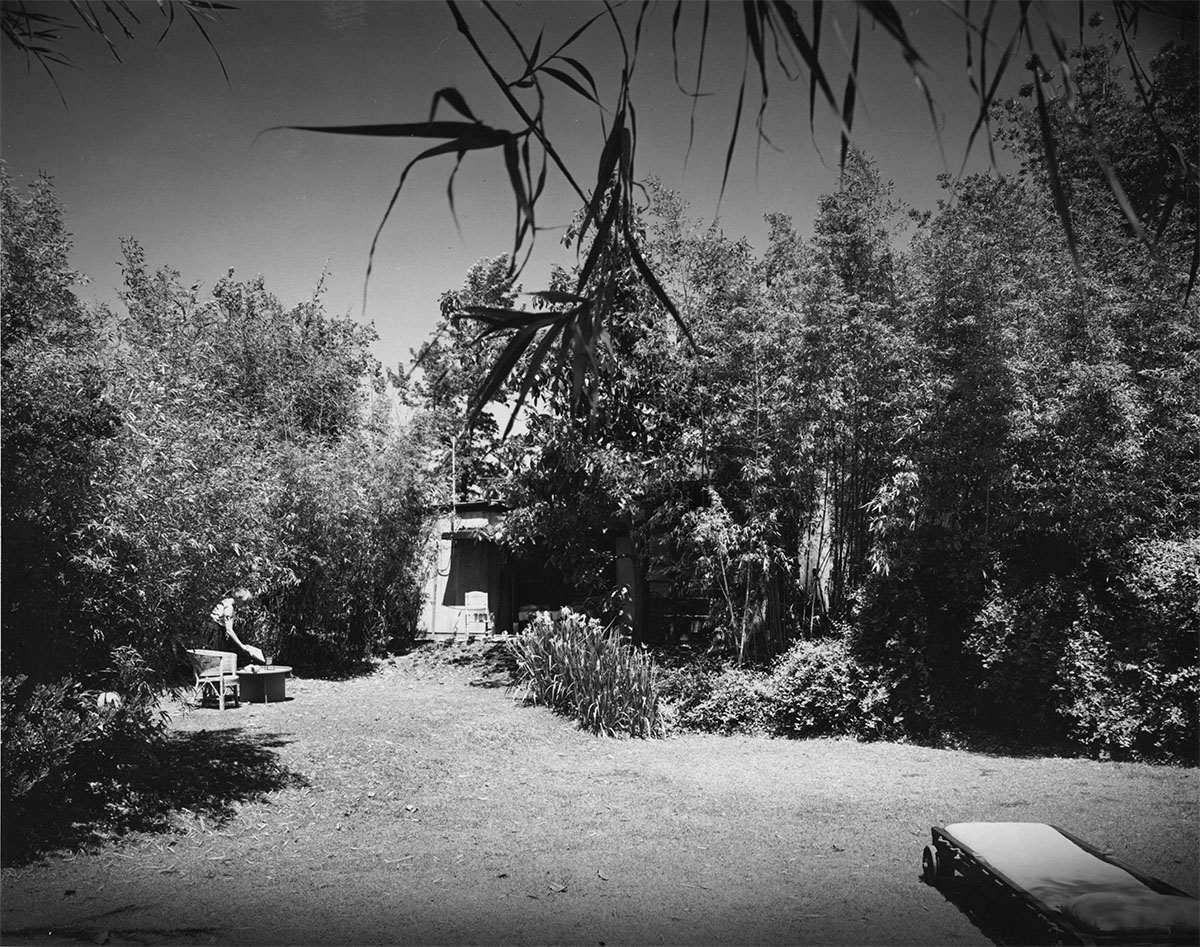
964,461
815,688
156,459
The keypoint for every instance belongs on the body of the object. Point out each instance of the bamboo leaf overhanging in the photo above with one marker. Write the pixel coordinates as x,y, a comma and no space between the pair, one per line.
606,207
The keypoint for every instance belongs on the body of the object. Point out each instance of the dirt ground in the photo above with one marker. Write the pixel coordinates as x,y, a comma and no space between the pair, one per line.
422,805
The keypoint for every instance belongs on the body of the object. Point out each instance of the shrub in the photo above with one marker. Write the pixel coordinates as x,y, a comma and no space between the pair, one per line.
1014,657
816,688
43,726
683,684
1107,663
1164,582
719,700
69,755
589,672
819,689
1124,705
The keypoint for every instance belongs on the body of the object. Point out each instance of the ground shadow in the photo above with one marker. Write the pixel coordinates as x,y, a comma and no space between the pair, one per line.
494,661
492,658
205,772
337,672
1002,918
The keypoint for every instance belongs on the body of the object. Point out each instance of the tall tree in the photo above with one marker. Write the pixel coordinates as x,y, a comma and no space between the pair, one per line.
57,421
1034,483
449,369
854,314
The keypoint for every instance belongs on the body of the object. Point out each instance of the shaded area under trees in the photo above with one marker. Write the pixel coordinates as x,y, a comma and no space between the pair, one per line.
204,773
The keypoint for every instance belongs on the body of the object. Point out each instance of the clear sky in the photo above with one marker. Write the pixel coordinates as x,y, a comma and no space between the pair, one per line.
159,147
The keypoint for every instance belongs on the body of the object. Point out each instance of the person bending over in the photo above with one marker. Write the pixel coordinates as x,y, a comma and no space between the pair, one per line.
223,614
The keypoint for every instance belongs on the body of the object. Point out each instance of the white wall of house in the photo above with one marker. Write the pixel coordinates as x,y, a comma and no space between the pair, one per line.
452,621
438,620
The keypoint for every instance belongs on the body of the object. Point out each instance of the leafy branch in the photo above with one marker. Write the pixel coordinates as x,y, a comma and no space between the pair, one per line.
779,37
39,35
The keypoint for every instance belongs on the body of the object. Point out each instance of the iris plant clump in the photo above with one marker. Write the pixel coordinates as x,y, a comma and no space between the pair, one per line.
589,672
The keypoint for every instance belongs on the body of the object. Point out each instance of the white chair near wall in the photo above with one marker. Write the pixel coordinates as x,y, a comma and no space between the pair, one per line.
476,616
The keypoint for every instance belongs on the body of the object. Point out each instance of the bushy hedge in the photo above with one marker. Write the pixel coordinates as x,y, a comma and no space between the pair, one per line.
712,697
1081,690
815,688
589,672
69,750
819,688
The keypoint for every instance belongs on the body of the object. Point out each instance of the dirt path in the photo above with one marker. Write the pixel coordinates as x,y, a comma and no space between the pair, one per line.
424,806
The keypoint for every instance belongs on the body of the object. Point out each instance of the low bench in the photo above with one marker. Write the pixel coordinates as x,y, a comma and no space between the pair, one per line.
1082,895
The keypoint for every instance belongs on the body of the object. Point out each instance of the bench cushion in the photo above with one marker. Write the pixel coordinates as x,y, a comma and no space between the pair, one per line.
1144,912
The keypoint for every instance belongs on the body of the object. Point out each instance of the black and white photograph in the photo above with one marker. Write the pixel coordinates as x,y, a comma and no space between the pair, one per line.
599,472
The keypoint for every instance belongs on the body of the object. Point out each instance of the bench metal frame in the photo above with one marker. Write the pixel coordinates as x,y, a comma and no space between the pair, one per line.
950,856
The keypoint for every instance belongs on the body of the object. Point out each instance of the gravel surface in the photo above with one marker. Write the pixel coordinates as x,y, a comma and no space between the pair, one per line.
421,804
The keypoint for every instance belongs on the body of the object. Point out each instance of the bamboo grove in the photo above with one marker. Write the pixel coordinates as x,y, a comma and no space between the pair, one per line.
956,441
